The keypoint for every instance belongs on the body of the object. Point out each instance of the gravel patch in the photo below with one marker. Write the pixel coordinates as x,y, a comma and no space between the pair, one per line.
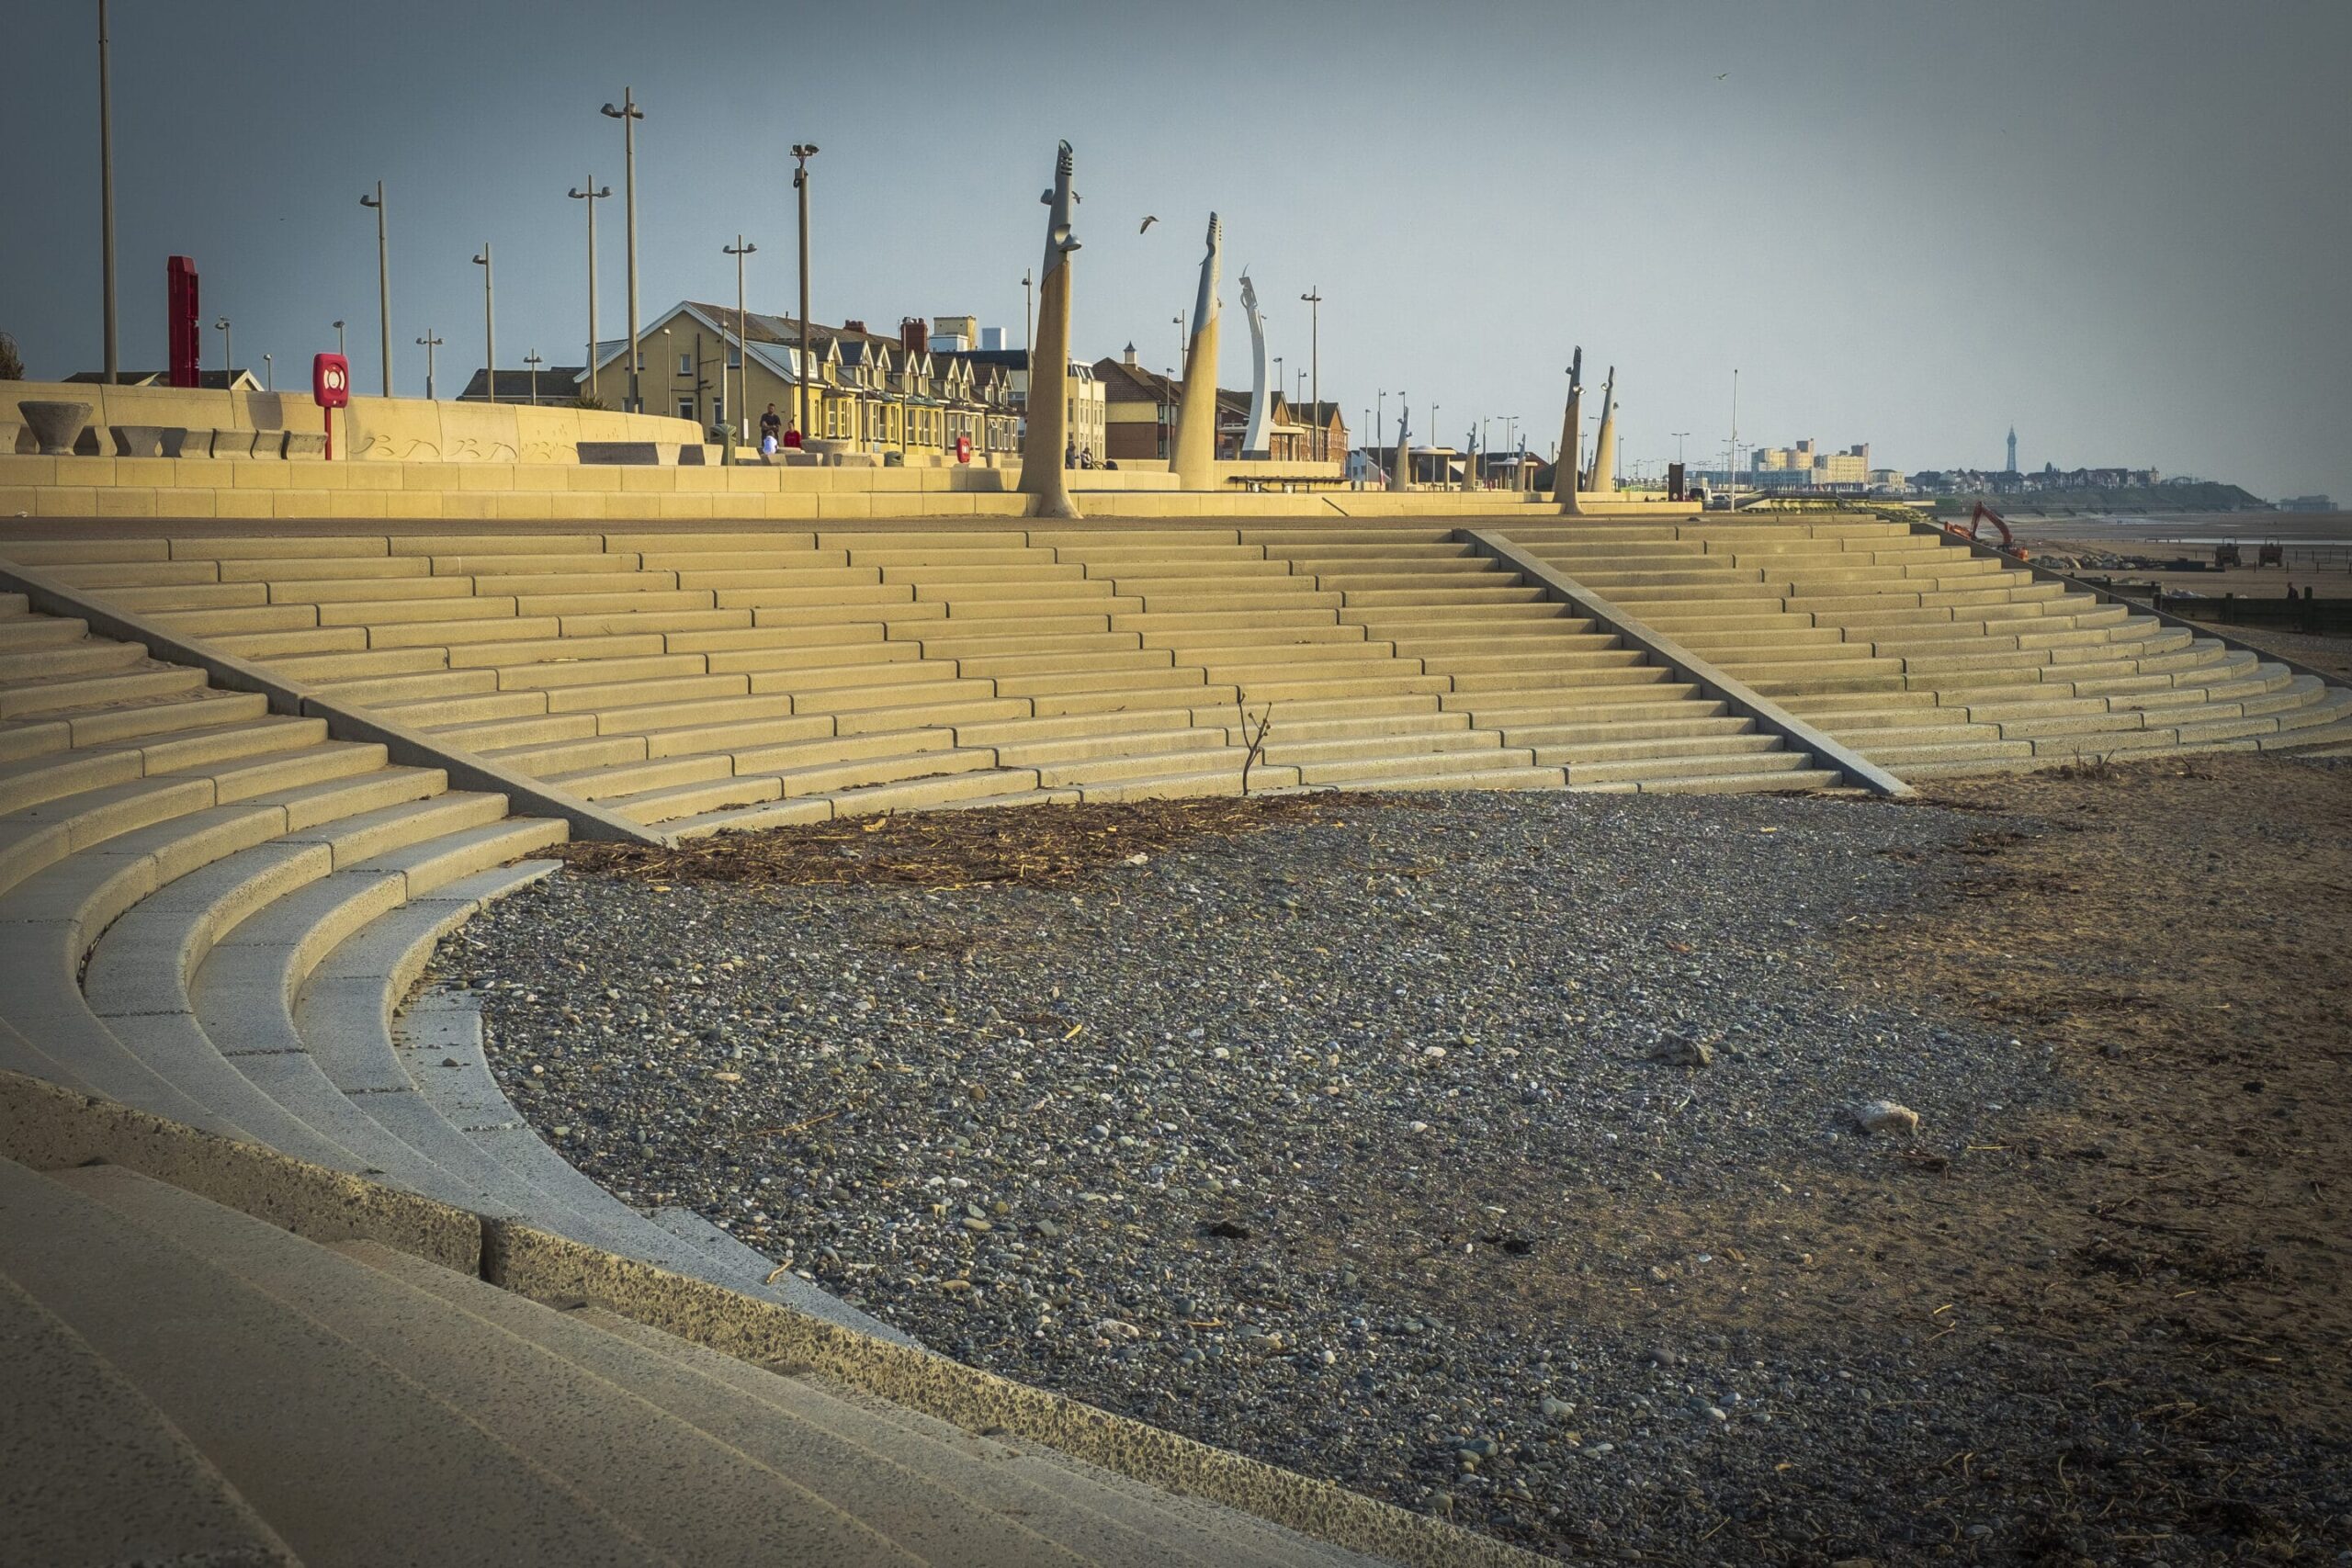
1446,1147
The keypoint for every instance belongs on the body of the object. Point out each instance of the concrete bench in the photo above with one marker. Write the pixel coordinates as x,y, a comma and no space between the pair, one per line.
233,443
306,444
180,443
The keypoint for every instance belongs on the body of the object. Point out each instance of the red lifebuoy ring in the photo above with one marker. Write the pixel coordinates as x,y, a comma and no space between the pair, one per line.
962,448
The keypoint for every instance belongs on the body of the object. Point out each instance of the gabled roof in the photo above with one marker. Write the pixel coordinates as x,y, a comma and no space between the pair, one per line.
555,381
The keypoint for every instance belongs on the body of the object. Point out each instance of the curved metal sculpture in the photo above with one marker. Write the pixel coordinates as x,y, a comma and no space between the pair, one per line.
1602,479
1253,439
1048,410
1194,453
1564,473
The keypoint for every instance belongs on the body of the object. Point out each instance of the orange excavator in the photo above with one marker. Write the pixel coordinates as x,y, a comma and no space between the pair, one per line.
1983,514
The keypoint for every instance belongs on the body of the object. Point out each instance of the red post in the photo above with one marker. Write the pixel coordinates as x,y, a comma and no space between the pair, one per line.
330,389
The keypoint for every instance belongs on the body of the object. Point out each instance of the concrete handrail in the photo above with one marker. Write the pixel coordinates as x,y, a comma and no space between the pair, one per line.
402,745
1767,714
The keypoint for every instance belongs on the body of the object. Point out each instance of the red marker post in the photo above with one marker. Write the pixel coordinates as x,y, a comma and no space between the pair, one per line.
331,389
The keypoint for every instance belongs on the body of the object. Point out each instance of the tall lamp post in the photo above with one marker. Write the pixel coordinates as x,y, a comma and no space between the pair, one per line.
106,191
342,352
801,152
591,195
1028,282
739,250
489,325
430,341
1313,299
534,361
227,363
268,372
629,114
383,284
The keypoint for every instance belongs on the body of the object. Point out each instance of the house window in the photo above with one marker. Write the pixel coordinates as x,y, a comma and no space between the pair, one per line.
685,407
686,365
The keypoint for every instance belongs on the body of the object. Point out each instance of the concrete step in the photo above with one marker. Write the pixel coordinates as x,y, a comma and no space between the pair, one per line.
348,1459
115,1481
682,1493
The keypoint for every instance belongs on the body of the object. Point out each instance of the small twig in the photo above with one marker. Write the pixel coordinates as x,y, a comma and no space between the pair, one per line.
797,1126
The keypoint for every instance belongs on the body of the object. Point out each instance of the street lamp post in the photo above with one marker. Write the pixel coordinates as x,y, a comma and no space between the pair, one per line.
341,351
106,192
591,195
1179,318
629,114
739,250
1028,281
430,341
268,372
534,361
801,152
1313,298
383,284
489,325
228,362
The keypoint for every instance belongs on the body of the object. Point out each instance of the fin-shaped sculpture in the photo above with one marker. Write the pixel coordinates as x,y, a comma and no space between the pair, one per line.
1470,459
1253,438
1565,474
1602,479
1400,473
1195,457
1042,476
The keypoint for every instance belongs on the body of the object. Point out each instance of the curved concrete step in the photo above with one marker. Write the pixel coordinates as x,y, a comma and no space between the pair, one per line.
347,1460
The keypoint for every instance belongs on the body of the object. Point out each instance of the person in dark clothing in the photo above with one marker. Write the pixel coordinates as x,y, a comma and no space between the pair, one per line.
771,422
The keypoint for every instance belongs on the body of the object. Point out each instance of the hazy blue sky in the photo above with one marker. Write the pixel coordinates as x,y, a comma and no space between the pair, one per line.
2121,225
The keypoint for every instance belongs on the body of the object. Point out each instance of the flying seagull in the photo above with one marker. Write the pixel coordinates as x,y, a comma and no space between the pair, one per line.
1148,222
1721,74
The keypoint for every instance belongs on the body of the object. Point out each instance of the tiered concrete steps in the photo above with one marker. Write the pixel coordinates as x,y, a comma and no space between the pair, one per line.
1931,659
192,1384
1548,685
694,682
209,911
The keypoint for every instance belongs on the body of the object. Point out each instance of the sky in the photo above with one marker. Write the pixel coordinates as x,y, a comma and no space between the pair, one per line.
2119,225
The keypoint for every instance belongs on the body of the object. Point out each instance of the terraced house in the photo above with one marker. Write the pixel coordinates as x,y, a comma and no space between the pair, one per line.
877,393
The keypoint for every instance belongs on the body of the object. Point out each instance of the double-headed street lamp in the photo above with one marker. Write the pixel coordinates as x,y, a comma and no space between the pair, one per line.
383,283
591,195
739,250
629,114
534,361
1313,299
801,152
430,342
488,323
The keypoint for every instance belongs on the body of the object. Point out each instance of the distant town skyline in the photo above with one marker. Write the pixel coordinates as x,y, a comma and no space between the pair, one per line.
1913,227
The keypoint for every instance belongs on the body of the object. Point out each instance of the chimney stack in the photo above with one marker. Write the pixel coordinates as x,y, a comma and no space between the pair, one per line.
914,334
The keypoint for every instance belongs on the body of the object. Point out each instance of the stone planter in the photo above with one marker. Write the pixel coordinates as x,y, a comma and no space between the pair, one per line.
137,440
57,427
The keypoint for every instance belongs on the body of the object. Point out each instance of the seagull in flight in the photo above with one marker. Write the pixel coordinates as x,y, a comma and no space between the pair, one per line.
1148,222
1721,74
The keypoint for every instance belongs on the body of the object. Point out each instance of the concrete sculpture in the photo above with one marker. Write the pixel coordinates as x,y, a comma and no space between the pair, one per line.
1564,469
1194,455
1602,479
1470,459
1253,438
1400,473
1041,474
